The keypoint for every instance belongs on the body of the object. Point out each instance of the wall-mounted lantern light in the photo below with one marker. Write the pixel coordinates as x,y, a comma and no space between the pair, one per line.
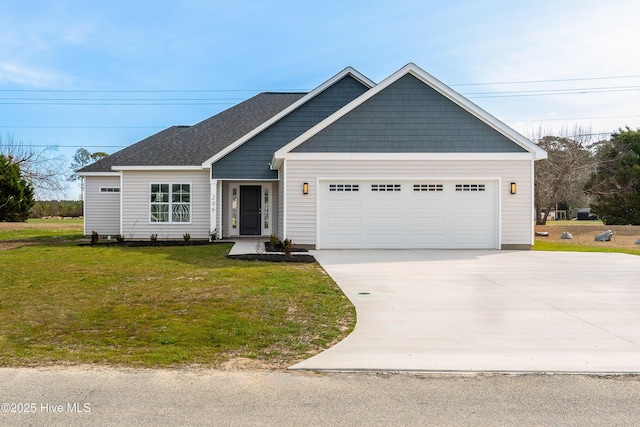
513,188
305,188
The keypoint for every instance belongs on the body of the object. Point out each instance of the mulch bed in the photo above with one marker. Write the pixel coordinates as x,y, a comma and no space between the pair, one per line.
268,257
274,258
270,248
144,243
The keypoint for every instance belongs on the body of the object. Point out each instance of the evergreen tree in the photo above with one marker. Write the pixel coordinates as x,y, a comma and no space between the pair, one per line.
615,185
16,194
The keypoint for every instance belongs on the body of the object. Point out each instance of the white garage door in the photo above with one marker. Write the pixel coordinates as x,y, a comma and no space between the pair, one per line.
408,214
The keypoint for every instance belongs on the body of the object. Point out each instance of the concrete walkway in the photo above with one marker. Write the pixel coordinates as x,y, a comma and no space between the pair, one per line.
247,245
486,311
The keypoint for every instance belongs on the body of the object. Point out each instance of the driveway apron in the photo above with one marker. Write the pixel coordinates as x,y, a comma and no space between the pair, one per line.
486,311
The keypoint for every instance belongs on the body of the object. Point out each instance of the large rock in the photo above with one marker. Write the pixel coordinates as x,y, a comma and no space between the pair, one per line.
637,241
604,237
566,235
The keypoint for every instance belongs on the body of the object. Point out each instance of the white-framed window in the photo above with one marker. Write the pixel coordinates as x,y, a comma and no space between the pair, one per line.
265,209
470,187
109,190
344,187
386,187
234,207
170,203
427,187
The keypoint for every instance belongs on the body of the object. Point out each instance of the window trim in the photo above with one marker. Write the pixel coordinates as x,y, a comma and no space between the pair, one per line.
171,203
109,190
344,187
386,188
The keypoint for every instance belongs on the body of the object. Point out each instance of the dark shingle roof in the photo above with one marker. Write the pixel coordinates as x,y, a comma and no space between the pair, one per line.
192,145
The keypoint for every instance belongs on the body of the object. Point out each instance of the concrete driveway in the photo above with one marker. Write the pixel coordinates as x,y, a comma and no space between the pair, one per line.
486,311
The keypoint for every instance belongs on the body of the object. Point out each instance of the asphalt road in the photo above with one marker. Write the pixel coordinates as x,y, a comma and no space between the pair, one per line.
110,397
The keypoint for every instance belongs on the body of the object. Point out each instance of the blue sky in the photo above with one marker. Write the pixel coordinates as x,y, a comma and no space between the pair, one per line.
103,75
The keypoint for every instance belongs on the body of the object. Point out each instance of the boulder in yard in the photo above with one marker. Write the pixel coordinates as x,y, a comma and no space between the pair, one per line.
604,237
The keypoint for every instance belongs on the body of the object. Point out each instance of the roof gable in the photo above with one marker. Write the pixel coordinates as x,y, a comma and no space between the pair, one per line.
251,159
347,72
411,112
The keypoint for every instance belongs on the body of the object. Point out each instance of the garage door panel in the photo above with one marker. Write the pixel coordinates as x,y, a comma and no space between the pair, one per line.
407,214
428,204
387,239
392,222
344,205
430,239
438,222
471,222
469,239
354,240
396,205
348,222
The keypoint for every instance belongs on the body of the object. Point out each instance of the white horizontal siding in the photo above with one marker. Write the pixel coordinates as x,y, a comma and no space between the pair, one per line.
516,210
101,210
136,198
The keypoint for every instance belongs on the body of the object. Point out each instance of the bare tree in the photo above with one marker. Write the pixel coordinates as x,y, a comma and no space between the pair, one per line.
82,158
43,169
562,175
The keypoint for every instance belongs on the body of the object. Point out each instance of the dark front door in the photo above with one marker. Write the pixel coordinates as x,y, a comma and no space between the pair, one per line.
250,210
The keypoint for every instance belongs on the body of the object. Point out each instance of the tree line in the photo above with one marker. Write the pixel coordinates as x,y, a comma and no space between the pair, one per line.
603,175
56,208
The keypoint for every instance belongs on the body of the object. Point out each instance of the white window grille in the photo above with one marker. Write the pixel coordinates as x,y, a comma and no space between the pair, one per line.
170,203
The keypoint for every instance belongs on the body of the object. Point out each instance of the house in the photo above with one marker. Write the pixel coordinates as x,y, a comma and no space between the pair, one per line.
405,163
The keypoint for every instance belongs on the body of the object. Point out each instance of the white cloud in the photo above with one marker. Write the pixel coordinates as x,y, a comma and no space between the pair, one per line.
30,77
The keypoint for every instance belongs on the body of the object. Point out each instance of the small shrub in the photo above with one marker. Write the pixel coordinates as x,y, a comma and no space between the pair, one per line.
119,238
275,242
94,238
287,247
186,237
154,237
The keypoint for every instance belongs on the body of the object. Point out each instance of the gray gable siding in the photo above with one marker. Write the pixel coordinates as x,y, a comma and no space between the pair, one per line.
251,159
408,116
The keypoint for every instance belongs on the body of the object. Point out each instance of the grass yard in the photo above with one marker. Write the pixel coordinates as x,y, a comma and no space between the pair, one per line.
61,303
41,229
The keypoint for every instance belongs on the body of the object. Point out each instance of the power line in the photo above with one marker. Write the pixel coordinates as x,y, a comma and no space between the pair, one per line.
149,91
229,101
548,81
80,127
572,118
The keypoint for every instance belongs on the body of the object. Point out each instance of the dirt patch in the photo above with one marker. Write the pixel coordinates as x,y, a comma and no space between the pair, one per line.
4,246
623,235
61,226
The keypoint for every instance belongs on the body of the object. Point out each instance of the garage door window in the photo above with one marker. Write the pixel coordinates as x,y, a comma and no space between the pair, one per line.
386,187
427,187
470,187
344,187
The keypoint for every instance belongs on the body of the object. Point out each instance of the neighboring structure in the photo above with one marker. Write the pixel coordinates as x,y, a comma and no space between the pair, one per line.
406,163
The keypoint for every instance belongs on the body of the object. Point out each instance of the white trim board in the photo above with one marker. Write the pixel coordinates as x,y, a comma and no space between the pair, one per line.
158,168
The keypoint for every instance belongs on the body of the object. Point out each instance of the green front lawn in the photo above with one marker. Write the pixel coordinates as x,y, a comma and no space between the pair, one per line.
162,306
542,245
41,229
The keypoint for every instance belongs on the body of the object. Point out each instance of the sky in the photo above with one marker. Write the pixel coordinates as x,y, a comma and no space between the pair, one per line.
104,75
